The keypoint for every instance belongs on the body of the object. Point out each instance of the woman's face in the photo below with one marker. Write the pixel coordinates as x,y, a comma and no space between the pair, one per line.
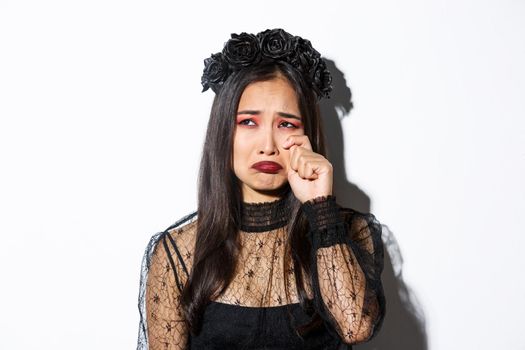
268,113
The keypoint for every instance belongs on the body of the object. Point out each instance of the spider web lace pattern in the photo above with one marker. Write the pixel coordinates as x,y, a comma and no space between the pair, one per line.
347,263
346,258
151,268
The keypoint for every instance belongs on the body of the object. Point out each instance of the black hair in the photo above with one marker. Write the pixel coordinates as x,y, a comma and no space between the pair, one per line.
220,198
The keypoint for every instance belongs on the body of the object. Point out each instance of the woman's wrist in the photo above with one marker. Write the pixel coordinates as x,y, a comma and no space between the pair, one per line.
322,212
326,220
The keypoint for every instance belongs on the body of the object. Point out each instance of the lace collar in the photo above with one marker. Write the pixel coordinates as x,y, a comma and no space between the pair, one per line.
260,217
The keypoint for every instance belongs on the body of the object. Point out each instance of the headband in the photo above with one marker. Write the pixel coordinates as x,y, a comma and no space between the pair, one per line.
245,50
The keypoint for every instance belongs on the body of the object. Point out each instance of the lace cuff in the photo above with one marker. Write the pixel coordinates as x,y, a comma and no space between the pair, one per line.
327,226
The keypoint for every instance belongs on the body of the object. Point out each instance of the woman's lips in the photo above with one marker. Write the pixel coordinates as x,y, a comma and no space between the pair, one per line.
267,167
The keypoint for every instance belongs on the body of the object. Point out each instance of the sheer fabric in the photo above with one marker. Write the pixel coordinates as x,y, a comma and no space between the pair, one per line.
346,261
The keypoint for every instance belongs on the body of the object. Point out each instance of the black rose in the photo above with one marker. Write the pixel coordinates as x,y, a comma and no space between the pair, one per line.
215,72
305,58
242,50
276,43
322,80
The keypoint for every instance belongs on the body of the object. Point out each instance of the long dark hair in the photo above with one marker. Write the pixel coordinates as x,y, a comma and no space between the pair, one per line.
219,197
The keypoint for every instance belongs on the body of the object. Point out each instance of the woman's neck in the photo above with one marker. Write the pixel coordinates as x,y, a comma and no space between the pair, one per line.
264,216
250,195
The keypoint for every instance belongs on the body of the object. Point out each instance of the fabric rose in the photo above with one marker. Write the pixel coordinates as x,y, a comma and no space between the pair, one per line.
276,43
242,50
215,72
322,80
305,57
246,50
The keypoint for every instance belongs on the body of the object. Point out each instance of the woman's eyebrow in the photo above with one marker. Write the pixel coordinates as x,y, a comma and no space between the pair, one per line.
282,114
251,112
288,115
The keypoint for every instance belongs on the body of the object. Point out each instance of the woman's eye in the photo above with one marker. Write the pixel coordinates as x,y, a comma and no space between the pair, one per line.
248,122
288,125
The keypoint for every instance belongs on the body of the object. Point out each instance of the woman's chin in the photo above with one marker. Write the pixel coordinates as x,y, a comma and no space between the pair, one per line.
273,184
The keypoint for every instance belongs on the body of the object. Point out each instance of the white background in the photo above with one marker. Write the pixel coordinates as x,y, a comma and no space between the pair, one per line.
102,124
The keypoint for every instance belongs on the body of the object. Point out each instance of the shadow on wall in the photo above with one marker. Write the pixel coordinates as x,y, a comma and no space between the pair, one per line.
404,324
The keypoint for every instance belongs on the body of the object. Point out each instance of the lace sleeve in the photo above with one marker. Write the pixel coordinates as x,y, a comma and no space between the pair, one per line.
347,261
162,325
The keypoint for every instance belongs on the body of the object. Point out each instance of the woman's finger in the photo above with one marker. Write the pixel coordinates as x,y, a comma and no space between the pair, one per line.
314,168
298,140
301,154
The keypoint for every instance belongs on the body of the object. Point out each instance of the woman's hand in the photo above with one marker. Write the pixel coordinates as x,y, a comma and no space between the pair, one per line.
310,174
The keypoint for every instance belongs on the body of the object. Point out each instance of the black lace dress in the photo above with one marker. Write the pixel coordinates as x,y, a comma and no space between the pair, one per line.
255,312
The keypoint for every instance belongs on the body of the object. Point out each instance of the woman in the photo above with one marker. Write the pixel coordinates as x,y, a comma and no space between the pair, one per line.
269,260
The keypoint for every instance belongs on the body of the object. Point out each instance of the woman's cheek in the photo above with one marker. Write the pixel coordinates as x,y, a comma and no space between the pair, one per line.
242,139
286,158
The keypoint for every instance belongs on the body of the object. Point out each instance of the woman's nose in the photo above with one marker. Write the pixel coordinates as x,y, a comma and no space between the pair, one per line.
268,144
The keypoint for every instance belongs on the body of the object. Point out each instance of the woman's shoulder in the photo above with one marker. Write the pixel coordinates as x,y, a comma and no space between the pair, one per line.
184,227
182,230
167,259
181,235
177,242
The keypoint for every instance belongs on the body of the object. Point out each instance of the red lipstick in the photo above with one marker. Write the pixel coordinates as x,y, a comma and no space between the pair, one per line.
267,167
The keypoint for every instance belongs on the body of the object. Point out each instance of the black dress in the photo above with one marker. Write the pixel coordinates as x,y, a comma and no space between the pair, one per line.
255,312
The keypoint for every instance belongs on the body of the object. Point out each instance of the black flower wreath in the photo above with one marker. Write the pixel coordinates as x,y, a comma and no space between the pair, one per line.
244,50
